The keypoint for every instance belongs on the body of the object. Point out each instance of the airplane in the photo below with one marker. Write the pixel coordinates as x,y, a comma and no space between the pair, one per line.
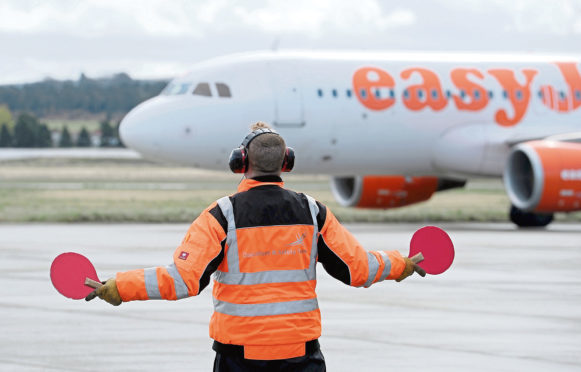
391,129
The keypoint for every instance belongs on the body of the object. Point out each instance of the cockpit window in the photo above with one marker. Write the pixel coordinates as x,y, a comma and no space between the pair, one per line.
223,90
183,88
203,89
174,88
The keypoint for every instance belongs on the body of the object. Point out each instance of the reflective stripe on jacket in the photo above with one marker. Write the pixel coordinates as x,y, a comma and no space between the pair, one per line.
262,243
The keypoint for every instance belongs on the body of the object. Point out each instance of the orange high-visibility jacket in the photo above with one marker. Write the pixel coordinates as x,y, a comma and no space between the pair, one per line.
263,244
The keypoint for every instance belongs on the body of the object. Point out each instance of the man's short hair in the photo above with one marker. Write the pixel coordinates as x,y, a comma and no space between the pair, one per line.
266,152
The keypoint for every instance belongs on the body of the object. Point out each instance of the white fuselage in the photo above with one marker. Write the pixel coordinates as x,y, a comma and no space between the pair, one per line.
440,114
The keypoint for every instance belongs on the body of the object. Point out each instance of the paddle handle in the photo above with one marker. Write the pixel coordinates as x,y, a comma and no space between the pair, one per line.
95,284
417,258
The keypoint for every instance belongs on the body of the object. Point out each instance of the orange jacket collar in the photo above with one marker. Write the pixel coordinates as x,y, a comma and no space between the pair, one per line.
247,184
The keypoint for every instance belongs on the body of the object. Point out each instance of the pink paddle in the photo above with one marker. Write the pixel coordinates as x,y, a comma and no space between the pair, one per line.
73,275
432,249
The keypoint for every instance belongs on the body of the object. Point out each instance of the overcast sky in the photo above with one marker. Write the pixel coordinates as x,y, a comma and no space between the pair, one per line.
163,38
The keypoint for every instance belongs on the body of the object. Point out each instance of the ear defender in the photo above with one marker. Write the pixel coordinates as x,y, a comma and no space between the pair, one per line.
289,160
238,160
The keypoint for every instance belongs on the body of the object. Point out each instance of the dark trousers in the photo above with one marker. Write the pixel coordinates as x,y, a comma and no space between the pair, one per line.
227,361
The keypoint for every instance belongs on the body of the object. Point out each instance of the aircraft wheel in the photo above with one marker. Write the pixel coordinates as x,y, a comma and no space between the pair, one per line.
529,219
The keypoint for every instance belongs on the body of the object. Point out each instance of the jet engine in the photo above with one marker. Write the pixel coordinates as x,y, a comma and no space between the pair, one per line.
544,176
387,191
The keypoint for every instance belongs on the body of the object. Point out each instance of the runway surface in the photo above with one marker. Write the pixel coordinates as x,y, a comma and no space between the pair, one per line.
510,302
7,154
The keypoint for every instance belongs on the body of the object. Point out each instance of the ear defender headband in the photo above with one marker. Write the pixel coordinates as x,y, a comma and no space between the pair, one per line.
239,157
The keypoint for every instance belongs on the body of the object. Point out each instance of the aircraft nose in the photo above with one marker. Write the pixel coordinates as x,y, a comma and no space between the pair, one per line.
129,130
139,130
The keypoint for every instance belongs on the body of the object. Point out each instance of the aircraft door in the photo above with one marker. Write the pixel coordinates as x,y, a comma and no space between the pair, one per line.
288,108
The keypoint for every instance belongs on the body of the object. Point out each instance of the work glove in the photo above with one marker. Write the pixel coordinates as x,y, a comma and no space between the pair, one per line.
107,292
410,267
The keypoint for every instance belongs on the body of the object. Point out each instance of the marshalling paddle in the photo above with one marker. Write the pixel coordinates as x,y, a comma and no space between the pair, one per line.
73,275
432,249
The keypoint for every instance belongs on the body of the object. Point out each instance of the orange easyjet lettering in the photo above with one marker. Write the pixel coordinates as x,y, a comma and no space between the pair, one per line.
373,88
555,100
560,101
477,96
519,95
548,93
573,80
429,93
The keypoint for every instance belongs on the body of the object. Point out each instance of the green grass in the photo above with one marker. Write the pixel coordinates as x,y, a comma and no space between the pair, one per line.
73,190
91,205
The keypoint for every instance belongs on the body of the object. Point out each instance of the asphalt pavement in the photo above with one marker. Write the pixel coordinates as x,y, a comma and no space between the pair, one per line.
510,302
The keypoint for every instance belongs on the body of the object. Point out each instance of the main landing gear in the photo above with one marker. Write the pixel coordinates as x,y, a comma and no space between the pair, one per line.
529,219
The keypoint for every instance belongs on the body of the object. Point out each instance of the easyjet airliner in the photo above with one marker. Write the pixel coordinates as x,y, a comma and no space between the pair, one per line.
390,128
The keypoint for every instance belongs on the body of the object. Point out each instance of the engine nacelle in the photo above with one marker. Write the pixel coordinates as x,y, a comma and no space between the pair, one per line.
382,191
544,176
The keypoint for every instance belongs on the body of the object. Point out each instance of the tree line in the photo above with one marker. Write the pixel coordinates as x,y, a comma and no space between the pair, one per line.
28,131
115,95
86,97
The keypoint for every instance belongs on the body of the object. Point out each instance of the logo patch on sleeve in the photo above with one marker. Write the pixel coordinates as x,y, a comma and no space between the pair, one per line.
184,255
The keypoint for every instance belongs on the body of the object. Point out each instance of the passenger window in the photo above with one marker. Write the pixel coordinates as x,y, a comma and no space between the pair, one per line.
320,92
505,94
203,89
377,93
420,93
541,94
391,94
519,94
363,93
490,94
334,93
223,90
462,93
434,94
562,95
348,93
406,94
448,94
578,95
476,95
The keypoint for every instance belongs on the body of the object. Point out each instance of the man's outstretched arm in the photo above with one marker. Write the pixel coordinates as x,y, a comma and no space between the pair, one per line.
346,260
194,261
